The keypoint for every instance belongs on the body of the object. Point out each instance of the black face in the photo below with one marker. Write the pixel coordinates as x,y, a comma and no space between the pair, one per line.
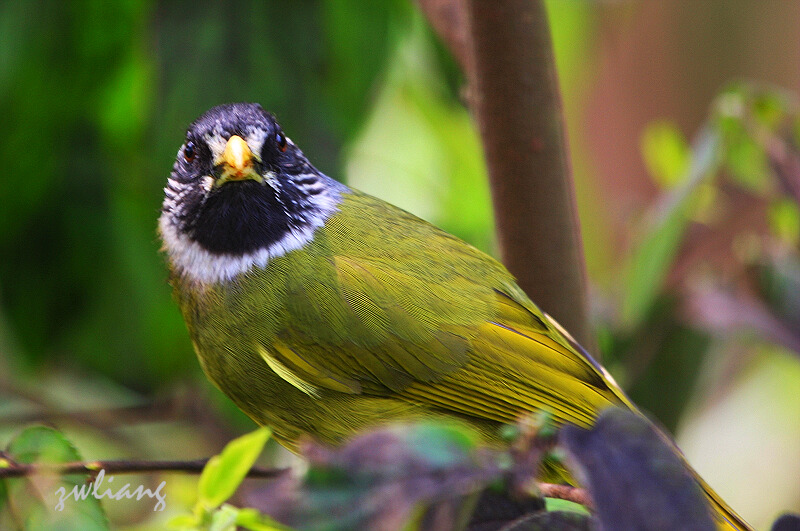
238,217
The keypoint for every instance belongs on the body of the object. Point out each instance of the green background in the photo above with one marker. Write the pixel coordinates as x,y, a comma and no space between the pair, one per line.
95,98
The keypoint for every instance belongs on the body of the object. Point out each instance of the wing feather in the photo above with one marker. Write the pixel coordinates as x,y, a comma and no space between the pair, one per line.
435,322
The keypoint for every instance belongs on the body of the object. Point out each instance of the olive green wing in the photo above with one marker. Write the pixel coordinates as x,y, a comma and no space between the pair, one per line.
378,336
494,358
519,362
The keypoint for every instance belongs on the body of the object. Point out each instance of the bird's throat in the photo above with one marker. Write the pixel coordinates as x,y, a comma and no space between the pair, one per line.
242,226
240,218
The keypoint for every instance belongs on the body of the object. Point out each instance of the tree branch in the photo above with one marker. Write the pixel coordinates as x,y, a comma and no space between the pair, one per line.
566,492
449,19
12,469
506,53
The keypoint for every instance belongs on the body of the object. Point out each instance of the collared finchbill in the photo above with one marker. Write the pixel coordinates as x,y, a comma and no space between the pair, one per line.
244,196
323,311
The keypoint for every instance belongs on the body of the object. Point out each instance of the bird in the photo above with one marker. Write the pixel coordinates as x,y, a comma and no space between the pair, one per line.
323,311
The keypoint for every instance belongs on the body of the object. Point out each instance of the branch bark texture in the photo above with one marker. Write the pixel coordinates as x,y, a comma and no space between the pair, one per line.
515,98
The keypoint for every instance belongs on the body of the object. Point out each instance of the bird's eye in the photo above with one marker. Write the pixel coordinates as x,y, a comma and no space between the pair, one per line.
189,152
280,141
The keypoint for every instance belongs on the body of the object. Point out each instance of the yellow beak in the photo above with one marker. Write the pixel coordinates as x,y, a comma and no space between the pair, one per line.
237,162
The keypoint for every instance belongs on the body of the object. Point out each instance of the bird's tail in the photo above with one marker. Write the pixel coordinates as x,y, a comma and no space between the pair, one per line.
726,518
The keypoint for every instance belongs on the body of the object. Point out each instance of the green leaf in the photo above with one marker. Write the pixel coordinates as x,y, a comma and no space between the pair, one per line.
224,472
441,444
652,258
739,110
420,151
255,521
49,502
666,153
224,519
784,220
184,521
557,504
770,107
747,162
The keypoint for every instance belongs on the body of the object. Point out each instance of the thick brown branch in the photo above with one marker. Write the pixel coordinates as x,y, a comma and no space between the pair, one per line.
11,469
517,103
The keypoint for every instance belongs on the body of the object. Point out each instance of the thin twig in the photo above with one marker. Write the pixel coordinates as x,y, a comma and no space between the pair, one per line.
566,492
11,469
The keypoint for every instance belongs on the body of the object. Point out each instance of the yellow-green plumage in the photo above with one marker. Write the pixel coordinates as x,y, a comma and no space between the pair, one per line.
365,331
323,311
383,317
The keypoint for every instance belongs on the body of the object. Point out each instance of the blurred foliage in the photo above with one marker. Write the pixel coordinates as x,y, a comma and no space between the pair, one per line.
697,287
438,478
94,118
220,478
665,152
637,480
46,502
653,257
423,145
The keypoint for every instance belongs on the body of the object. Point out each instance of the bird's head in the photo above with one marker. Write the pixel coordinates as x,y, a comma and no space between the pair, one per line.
239,194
